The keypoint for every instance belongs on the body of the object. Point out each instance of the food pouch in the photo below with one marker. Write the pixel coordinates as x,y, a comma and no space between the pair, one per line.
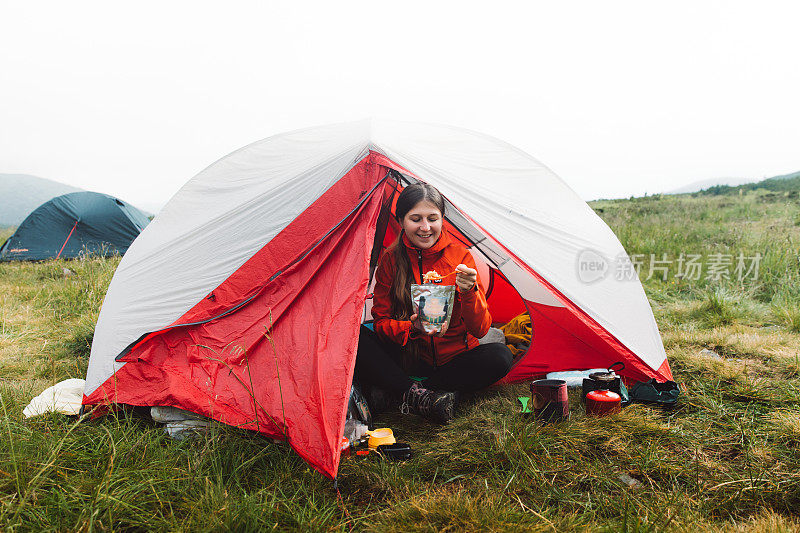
434,305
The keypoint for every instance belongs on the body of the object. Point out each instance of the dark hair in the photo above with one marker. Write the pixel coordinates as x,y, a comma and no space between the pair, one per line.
414,194
400,293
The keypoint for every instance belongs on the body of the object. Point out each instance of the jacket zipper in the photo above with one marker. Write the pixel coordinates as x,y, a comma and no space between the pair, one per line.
433,345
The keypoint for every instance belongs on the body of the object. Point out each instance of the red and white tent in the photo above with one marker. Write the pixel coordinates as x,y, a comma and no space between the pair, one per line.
242,300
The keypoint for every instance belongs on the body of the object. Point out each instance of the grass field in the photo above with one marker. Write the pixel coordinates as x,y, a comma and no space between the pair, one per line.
5,233
726,459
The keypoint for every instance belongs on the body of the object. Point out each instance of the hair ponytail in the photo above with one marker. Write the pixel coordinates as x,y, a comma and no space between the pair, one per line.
400,292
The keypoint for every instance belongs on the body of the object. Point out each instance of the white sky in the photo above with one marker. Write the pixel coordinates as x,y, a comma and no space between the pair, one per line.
618,98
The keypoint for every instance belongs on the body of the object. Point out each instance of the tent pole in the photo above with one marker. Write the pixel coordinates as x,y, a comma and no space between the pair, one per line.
68,236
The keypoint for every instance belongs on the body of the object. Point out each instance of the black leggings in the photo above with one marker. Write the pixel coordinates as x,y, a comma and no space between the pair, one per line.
378,363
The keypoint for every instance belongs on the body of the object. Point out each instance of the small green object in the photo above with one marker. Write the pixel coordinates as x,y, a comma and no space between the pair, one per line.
524,401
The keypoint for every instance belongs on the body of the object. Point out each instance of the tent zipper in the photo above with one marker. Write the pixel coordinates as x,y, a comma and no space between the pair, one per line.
433,344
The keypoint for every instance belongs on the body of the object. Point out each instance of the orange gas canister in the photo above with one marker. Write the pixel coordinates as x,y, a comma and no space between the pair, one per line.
602,402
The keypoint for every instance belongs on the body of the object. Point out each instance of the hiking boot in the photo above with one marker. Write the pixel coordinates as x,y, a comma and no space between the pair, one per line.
434,405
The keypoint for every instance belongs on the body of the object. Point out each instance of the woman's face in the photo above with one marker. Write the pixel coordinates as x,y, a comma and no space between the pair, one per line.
423,224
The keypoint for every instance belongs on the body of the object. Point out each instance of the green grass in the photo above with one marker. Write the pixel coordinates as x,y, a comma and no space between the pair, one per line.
787,311
726,459
5,233
728,227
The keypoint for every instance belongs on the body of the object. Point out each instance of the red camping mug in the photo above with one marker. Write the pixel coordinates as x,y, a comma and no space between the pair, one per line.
550,400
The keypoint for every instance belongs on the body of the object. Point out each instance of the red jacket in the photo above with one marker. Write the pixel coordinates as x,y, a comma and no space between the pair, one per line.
470,319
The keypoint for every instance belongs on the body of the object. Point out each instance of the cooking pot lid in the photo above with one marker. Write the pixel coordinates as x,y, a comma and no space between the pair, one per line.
603,376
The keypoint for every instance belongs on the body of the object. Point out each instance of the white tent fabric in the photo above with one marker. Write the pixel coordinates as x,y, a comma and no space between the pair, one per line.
535,215
218,220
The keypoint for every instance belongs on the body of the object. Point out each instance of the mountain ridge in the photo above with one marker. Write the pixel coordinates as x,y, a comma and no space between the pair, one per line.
22,193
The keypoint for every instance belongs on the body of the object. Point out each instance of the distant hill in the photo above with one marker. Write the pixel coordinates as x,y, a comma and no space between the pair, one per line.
786,183
782,183
705,184
791,176
20,194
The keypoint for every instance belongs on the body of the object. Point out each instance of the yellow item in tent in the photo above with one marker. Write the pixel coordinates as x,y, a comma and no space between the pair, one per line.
519,333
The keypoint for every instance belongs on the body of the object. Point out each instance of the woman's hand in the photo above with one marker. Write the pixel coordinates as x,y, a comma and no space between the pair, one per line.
416,325
466,278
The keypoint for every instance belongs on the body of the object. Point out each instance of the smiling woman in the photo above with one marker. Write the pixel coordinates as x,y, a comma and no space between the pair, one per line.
448,358
423,224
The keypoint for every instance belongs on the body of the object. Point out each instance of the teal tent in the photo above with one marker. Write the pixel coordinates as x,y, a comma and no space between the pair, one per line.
74,224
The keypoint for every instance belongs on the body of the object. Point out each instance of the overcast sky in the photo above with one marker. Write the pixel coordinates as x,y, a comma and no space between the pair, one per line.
618,98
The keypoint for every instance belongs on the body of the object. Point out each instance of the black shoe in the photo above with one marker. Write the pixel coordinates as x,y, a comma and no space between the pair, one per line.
433,405
381,400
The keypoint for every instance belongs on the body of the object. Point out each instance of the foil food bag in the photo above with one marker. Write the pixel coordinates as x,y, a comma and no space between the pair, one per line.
434,305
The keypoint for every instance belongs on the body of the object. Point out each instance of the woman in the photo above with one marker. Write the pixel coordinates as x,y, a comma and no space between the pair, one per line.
451,361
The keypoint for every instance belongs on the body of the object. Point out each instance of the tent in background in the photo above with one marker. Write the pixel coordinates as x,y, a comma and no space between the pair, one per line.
243,299
73,224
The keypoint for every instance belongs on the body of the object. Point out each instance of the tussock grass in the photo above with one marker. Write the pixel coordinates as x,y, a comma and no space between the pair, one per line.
787,312
727,458
718,308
